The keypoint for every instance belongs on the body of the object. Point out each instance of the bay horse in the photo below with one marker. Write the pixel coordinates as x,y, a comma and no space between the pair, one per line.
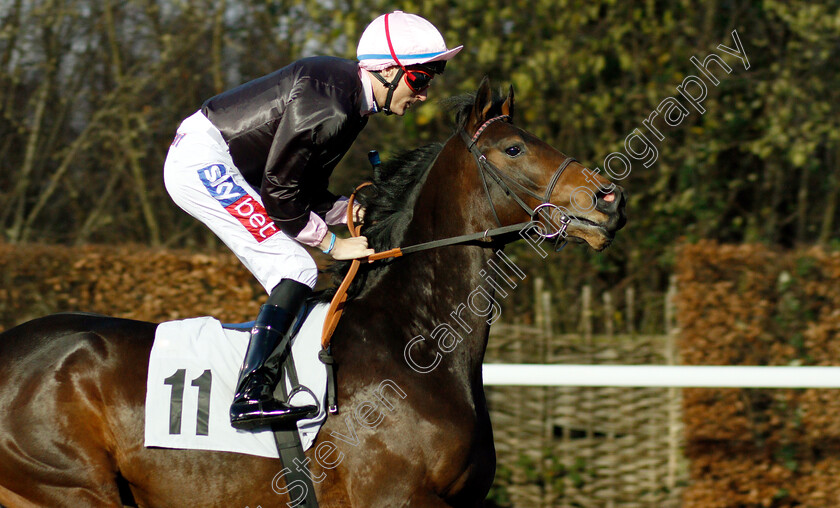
72,386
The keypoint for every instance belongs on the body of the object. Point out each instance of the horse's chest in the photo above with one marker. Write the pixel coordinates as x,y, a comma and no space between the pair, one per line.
463,461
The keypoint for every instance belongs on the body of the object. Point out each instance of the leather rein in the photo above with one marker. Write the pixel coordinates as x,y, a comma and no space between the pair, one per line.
485,169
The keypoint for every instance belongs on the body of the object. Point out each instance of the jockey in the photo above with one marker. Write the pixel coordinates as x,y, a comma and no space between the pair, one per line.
253,165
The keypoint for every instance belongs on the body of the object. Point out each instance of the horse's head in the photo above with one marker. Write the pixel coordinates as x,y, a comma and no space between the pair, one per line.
522,174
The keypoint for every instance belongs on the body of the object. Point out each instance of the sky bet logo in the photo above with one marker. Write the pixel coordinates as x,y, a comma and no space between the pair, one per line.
237,202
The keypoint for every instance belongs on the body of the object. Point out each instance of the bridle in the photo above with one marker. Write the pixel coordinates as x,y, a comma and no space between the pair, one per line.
545,210
485,168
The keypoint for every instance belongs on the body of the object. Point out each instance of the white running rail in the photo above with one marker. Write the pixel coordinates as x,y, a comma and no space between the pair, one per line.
679,376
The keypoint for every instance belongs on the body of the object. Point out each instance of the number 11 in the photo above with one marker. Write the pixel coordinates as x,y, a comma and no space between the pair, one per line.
176,401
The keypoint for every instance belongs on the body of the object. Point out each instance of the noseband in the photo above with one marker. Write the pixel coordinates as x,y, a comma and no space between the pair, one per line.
485,168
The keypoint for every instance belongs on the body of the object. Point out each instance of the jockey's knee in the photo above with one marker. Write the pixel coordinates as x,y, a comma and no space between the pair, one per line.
288,290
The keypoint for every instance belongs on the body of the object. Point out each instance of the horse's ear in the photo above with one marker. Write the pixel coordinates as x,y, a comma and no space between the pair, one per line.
507,107
483,102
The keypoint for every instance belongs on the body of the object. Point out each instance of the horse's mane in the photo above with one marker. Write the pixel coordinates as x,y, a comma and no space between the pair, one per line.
389,207
389,202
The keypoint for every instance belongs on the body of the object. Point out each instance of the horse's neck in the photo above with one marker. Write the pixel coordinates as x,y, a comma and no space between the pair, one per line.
429,292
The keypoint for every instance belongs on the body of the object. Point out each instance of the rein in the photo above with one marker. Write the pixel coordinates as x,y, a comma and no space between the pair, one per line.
485,168
337,303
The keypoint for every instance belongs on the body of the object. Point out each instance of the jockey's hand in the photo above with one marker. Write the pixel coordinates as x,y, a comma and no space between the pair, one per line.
350,248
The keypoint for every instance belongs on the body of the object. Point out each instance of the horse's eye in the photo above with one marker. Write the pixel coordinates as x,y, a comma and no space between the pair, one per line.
513,151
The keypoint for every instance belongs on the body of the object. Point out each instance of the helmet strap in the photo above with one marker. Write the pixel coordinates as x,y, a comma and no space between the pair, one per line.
391,86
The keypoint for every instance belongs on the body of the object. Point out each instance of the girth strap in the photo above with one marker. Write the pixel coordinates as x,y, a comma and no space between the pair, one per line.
329,362
289,445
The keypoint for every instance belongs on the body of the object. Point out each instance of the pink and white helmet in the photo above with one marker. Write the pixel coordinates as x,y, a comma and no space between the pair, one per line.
414,40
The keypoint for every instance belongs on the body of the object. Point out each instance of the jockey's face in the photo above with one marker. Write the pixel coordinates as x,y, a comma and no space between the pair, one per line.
404,97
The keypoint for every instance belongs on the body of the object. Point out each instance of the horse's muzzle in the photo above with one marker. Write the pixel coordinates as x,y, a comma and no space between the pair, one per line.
612,203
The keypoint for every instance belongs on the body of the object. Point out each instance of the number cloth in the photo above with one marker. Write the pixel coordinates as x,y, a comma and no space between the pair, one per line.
193,370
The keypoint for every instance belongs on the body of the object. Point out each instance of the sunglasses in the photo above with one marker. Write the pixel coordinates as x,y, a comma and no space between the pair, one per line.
416,80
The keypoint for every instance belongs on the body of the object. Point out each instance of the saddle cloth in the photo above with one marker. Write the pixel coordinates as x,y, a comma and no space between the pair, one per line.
193,370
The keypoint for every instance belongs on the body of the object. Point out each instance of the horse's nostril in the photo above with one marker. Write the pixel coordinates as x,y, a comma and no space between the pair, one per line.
609,198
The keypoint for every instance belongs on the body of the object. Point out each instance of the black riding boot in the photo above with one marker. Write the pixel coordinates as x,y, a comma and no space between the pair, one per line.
254,404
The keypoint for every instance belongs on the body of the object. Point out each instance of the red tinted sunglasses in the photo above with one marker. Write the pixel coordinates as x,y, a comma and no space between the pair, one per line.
416,80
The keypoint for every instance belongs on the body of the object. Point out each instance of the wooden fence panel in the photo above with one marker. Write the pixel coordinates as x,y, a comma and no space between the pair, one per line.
579,446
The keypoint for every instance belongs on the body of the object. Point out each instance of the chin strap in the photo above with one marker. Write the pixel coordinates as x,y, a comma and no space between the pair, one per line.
391,86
